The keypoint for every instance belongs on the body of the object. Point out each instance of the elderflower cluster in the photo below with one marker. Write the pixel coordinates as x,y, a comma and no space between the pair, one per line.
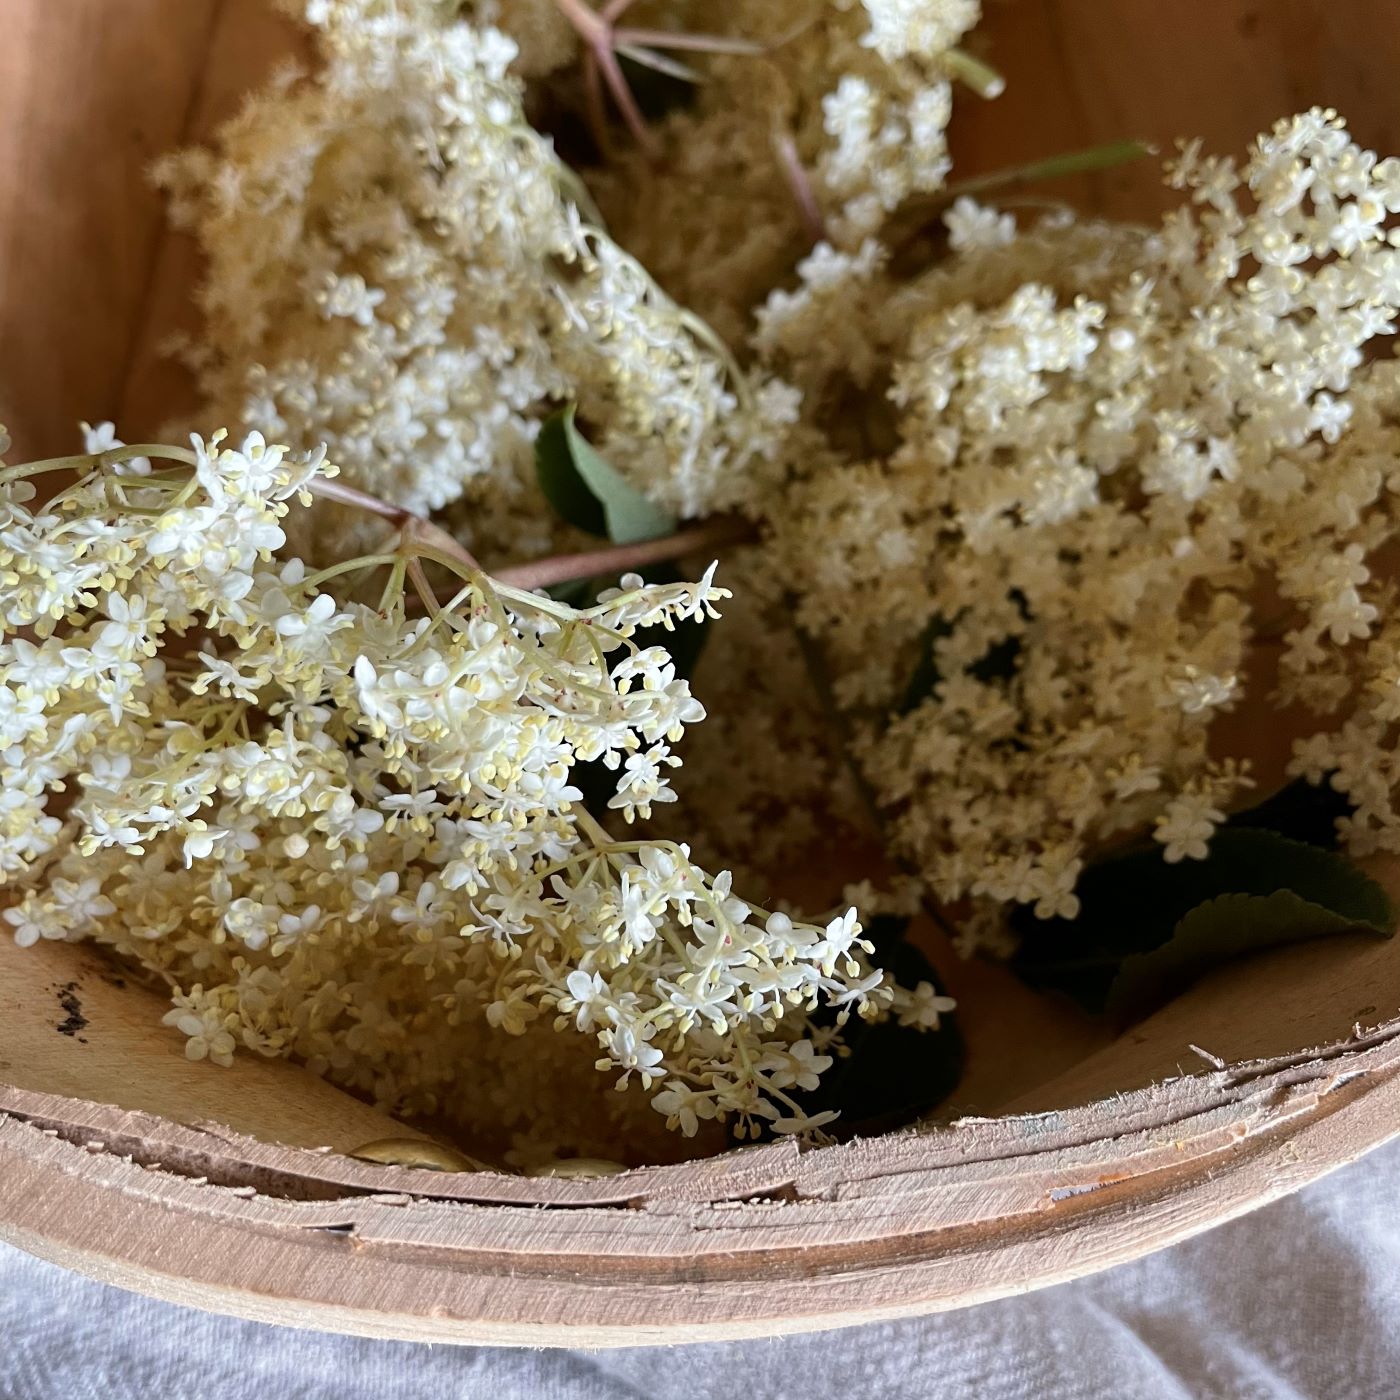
846,105
1050,514
1133,474
401,266
341,832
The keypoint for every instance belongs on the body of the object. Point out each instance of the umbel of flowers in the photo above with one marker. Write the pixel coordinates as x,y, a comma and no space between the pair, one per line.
1134,475
341,831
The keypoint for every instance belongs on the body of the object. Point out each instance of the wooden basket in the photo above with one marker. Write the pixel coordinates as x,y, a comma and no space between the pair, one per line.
230,1190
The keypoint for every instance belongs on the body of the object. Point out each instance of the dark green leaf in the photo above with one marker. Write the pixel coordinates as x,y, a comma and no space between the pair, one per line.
1232,925
926,674
894,1074
998,663
1132,904
561,481
588,492
1303,810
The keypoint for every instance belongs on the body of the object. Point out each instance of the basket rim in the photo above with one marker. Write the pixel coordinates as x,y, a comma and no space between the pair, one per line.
761,1241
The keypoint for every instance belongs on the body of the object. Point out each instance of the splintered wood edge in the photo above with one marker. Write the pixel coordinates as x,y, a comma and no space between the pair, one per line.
758,1242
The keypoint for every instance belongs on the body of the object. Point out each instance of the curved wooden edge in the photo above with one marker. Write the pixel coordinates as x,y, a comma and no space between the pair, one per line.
753,1244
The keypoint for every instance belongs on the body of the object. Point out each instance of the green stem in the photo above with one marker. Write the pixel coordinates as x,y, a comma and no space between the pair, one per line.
393,588
1051,168
981,77
597,834
93,460
365,561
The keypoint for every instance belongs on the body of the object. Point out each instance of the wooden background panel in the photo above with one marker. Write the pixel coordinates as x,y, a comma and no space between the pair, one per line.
248,41
72,1025
90,92
1084,72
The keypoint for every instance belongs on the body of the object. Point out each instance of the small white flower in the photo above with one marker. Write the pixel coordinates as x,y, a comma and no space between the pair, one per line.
922,1007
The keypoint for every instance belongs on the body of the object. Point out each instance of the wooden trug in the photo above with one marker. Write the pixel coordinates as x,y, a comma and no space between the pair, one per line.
231,1190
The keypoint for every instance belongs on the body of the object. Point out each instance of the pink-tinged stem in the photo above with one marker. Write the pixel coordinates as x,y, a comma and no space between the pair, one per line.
596,108
709,535
615,9
413,527
331,490
421,586
616,80
796,175
592,28
697,43
596,32
713,534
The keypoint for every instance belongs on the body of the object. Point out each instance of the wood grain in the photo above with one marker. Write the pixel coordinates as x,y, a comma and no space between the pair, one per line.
753,1244
73,1024
1081,73
90,93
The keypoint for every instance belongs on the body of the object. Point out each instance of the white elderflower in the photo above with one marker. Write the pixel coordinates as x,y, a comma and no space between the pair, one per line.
198,1017
454,292
350,835
1103,447
1186,826
922,1007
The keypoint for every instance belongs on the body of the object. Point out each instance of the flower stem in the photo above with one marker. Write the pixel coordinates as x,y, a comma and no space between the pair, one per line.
421,539
624,558
94,460
692,43
981,77
801,185
417,530
1051,168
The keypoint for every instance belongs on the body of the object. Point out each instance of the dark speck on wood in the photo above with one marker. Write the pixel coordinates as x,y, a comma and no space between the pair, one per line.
75,1021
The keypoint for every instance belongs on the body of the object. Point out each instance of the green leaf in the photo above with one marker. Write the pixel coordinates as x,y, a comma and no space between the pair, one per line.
997,663
1232,925
588,492
1303,810
1132,904
561,481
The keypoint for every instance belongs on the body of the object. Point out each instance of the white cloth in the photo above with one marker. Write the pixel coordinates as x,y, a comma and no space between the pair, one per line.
1301,1300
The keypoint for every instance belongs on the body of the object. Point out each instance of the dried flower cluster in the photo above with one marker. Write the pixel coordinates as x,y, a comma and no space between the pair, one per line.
824,133
347,835
400,266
